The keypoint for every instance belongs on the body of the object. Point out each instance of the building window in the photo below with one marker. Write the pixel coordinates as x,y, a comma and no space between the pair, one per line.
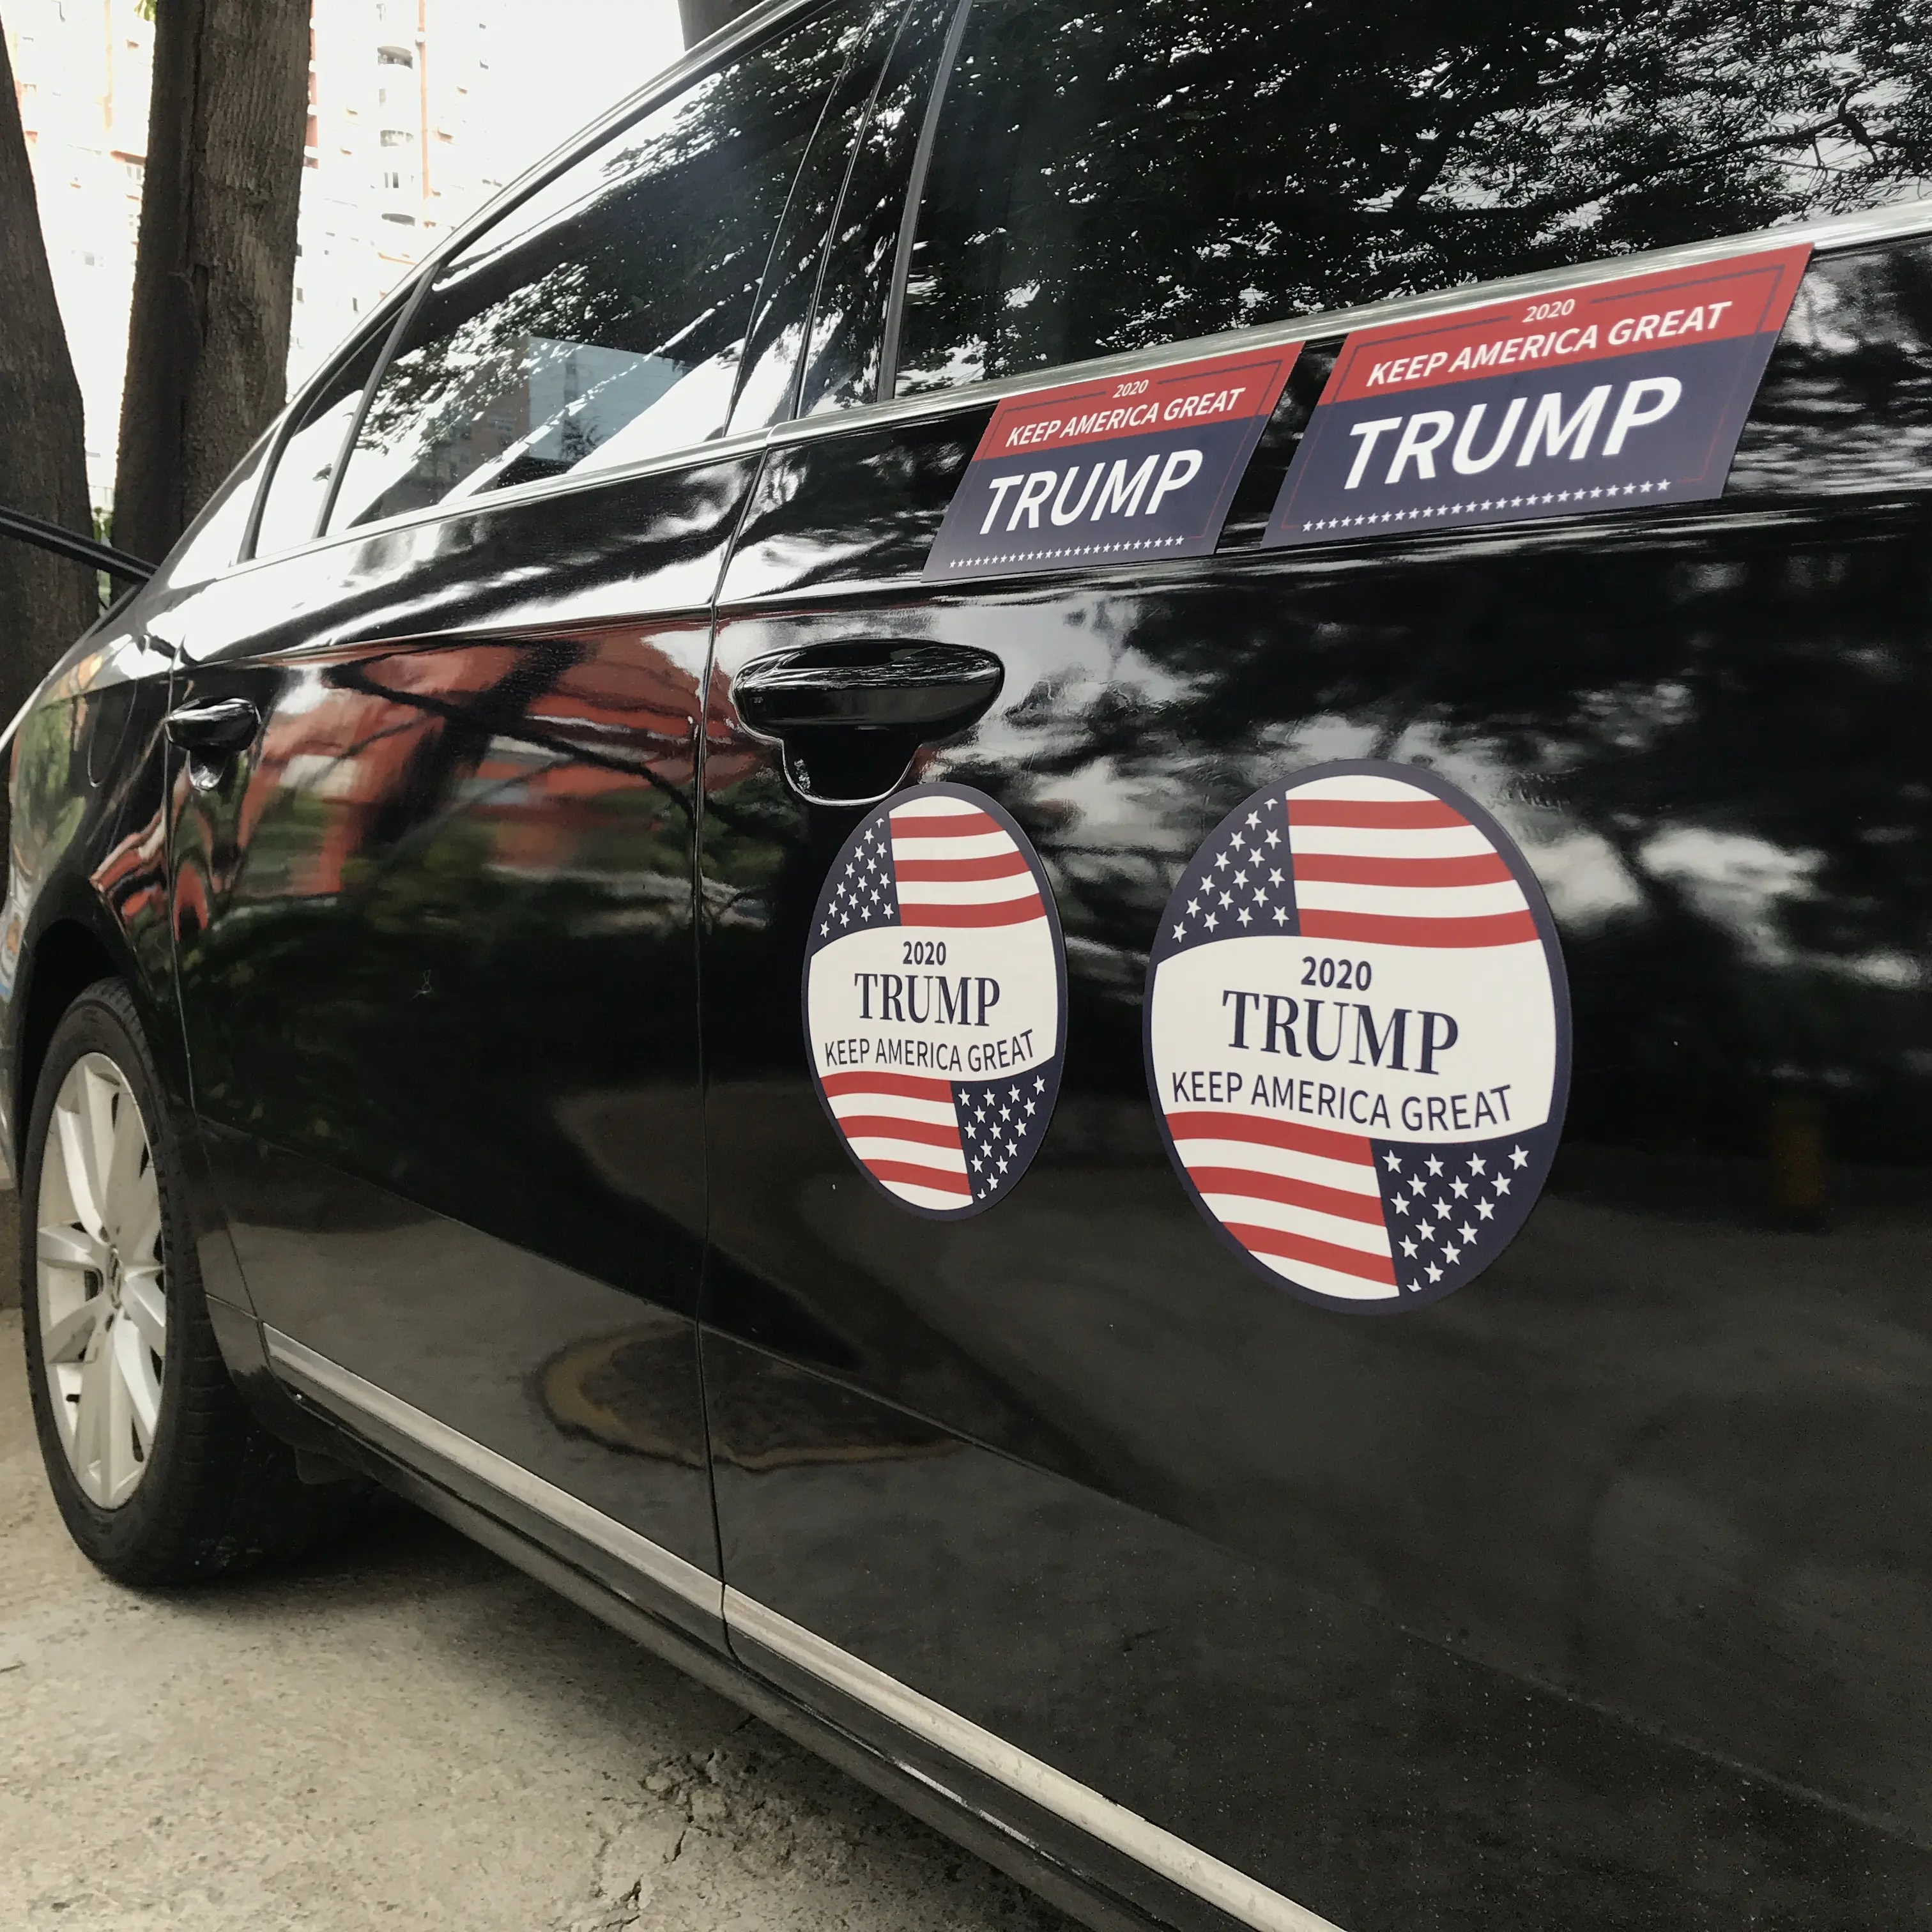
394,57
396,137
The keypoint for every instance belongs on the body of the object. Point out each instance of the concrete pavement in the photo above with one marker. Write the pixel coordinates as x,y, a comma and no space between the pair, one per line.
407,1733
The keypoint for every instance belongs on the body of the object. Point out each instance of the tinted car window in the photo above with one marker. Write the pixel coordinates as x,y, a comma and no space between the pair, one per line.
1108,179
214,540
300,485
603,322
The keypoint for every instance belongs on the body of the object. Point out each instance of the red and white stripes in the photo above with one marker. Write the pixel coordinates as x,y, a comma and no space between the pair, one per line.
957,867
1377,860
1302,1200
904,1129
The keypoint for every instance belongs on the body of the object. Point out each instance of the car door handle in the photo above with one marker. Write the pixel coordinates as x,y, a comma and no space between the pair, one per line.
931,690
219,728
849,715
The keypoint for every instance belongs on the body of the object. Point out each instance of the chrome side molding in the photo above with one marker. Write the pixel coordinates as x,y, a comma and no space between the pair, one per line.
1223,1886
334,1387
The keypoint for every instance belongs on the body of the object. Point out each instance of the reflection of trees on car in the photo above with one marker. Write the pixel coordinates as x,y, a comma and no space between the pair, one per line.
1714,750
1109,177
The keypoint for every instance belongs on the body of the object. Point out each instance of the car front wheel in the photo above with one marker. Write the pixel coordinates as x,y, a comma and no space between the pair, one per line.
160,1472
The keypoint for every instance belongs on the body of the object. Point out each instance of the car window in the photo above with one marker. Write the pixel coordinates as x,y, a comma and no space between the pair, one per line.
213,541
299,486
1105,179
603,322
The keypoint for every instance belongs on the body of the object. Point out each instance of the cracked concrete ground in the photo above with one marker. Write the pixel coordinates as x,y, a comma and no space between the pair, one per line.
408,1733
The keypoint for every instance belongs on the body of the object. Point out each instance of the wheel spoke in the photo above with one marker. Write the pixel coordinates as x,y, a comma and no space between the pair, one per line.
126,1186
134,1369
99,1093
91,1423
118,1463
70,1248
77,1162
140,1231
67,1339
144,1301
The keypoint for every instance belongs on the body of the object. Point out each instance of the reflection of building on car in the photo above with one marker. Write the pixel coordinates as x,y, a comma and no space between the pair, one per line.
413,888
534,761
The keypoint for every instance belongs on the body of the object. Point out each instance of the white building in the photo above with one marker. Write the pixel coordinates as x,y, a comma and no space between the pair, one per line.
391,159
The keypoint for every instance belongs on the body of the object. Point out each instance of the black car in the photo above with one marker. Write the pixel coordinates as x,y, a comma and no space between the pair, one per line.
1063,878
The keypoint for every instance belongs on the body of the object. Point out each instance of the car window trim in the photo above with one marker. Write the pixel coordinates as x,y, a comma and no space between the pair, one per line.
1829,235
795,402
1835,234
418,288
788,405
915,196
293,412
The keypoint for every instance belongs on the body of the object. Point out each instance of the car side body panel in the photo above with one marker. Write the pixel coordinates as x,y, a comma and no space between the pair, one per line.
1498,1606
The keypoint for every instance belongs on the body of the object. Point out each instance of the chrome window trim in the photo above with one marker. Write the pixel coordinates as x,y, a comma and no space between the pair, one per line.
1899,221
691,456
1159,1851
331,1385
1839,232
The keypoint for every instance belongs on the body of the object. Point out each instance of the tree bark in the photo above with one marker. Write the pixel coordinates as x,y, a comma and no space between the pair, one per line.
45,601
701,19
207,339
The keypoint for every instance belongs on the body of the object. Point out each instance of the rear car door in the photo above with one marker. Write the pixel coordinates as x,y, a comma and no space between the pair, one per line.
1590,1593
433,891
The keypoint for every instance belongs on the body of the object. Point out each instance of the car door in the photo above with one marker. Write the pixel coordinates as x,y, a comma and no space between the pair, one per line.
1554,1600
432,831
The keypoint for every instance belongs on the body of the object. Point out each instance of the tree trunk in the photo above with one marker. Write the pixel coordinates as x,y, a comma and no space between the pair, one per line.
700,18
45,601
207,340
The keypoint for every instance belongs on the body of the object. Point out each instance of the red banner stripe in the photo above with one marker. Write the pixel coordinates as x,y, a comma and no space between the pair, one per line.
944,825
910,1086
911,1174
1207,1124
1324,1254
1349,868
997,865
892,1127
1002,912
1497,928
1293,1193
1387,815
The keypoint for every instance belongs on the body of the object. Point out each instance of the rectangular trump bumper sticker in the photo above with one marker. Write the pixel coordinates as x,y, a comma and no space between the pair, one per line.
1601,397
1110,471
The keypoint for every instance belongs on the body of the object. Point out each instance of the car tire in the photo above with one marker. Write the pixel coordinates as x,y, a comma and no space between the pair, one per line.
160,1473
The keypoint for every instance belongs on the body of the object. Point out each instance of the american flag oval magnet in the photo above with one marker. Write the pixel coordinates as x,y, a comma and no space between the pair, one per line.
935,1000
1357,1029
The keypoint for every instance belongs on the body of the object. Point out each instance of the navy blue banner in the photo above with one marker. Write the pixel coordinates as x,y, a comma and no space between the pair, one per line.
1113,471
1612,395
1652,428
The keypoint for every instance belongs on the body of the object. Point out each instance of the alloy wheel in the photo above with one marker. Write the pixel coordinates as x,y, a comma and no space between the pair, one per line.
99,1275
